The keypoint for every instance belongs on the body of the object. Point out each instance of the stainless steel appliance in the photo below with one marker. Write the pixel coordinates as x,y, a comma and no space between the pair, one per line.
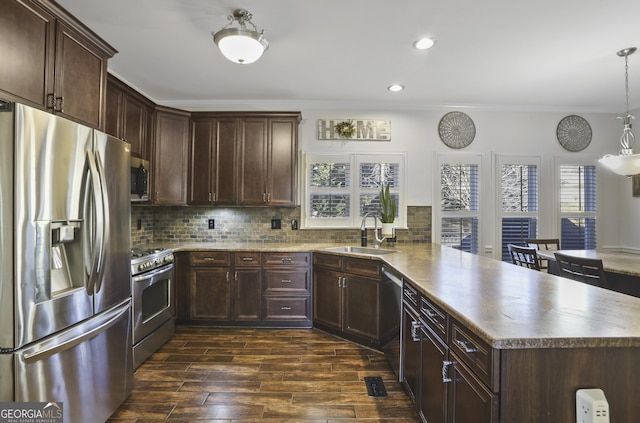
65,291
139,180
153,294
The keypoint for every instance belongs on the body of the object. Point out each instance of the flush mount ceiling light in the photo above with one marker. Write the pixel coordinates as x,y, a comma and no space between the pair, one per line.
241,45
395,87
626,163
424,43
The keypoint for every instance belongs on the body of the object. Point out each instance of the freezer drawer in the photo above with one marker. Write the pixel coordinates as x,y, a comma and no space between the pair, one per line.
90,363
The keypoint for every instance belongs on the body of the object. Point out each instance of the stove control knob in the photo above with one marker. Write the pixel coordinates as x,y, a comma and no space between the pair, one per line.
141,266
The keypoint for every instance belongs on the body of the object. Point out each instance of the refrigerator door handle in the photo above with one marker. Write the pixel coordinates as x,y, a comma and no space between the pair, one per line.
97,249
74,336
102,220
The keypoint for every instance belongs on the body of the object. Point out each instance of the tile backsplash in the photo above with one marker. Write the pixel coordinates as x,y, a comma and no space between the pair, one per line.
252,224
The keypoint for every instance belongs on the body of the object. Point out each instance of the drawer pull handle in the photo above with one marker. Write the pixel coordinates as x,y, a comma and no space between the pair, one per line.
285,281
247,258
285,308
209,259
430,313
415,331
465,346
286,259
445,368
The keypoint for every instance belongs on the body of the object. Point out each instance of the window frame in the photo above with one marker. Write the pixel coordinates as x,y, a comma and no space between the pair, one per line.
559,214
501,160
438,213
354,160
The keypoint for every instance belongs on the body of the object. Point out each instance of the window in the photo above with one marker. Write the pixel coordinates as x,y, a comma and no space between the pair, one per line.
518,211
459,204
577,207
341,189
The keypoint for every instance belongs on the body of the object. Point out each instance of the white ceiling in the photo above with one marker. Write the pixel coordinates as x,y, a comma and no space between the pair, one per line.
544,55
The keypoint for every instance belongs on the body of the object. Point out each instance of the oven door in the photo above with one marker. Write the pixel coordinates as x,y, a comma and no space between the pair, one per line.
153,300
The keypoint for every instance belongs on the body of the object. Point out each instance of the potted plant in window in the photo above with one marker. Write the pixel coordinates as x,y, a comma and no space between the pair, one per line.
387,211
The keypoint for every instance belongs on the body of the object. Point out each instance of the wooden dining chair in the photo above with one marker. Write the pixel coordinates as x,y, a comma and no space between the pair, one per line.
524,256
587,270
548,244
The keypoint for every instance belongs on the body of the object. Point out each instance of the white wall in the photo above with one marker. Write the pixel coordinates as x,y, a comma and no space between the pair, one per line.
497,132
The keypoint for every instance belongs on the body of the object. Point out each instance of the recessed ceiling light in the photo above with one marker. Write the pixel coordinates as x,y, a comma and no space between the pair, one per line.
395,88
424,43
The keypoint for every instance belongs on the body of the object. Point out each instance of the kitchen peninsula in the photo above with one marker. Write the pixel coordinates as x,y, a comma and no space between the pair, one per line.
522,341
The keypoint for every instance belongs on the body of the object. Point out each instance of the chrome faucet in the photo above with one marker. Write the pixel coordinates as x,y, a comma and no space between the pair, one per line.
363,231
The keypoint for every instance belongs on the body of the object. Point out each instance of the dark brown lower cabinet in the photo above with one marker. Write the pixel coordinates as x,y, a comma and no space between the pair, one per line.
210,294
224,287
247,294
454,376
244,288
442,387
470,401
352,298
433,392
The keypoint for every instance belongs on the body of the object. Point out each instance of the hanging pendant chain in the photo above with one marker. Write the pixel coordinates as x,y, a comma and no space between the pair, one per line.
626,82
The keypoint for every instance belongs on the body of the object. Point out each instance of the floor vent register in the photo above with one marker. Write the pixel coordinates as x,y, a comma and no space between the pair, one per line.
375,386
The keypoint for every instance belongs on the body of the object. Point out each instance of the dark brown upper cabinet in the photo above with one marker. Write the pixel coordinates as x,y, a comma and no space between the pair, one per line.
247,159
53,62
128,116
171,157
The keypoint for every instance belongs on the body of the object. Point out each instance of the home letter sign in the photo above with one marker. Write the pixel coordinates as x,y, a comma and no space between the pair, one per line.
365,129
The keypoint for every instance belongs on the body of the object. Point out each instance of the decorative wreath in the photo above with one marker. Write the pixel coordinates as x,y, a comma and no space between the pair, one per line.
346,129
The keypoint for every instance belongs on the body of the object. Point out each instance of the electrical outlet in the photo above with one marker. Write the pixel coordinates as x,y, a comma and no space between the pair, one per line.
276,224
212,224
139,224
591,406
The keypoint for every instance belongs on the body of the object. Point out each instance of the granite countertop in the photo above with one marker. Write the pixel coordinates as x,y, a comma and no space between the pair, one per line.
510,307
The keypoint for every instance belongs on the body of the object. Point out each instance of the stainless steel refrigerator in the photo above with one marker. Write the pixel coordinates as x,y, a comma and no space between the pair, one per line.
65,290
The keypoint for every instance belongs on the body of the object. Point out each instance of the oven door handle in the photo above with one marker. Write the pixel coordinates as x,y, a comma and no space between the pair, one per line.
152,274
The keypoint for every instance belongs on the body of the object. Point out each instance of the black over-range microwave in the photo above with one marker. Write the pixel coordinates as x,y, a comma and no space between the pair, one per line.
139,180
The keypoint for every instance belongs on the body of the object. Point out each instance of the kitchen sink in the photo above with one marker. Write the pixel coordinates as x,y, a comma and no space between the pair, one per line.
361,250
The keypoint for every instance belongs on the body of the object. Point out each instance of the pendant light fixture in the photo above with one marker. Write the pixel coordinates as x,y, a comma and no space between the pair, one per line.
626,163
241,45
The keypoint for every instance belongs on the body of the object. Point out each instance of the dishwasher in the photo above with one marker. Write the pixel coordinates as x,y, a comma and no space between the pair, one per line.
392,348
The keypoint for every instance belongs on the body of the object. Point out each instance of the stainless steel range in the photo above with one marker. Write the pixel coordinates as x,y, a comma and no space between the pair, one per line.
153,293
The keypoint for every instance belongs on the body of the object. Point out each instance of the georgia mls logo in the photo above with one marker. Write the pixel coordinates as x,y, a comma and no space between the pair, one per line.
31,412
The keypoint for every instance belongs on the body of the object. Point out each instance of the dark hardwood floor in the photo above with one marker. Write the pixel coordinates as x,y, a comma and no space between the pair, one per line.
220,375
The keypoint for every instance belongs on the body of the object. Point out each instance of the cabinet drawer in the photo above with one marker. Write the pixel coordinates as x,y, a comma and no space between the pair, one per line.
363,267
210,258
328,261
286,280
434,317
286,308
285,259
247,259
474,352
410,294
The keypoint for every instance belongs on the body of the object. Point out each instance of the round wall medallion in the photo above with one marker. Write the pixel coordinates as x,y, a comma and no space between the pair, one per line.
456,130
574,133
